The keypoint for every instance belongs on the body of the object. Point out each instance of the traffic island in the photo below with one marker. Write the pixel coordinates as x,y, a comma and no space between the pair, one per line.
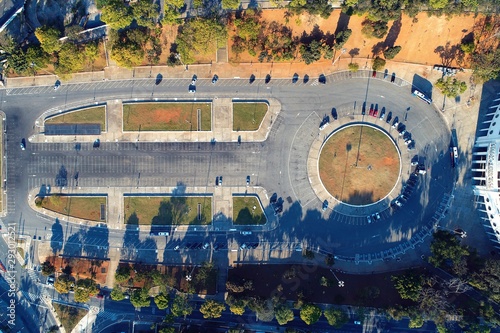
91,115
90,208
247,210
167,210
248,116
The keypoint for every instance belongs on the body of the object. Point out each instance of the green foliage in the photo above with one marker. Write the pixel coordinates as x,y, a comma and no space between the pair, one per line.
116,294
162,301
199,36
451,87
171,15
446,246
438,4
342,37
127,51
122,273
310,313
374,29
321,8
230,4
442,329
73,32
17,61
91,52
378,63
62,284
70,59
476,328
416,321
85,288
49,39
488,279
181,306
311,53
283,314
212,309
145,13
468,47
37,57
353,67
408,285
486,65
336,317
391,52
117,14
47,268
140,298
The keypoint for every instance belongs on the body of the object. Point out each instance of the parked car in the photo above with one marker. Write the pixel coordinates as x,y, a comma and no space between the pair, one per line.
57,85
176,248
193,81
382,114
23,144
369,219
248,180
215,79
205,246
325,205
50,280
371,110
245,232
324,122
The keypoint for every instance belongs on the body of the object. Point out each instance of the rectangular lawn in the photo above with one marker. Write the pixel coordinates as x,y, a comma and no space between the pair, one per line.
166,116
244,212
87,208
248,116
168,210
94,115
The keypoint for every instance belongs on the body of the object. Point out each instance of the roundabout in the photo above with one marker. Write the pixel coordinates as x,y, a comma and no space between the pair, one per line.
359,165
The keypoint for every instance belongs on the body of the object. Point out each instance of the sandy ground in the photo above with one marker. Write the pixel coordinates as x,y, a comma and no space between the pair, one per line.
419,38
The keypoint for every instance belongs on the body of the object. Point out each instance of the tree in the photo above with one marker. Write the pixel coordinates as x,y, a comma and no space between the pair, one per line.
488,279
145,13
283,314
438,4
336,317
127,53
341,38
310,313
468,47
84,289
73,32
122,273
212,309
181,306
117,14
476,328
140,298
117,294
199,36
378,63
167,330
311,53
446,246
162,300
70,59
62,284
451,87
374,29
416,320
236,304
47,268
486,65
17,61
49,39
353,67
391,52
408,285
230,4
91,52
37,57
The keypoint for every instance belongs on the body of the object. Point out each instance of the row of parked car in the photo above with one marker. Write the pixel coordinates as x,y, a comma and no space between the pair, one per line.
277,204
201,246
406,192
249,245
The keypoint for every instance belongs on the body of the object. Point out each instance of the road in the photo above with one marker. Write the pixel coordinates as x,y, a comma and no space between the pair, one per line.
278,165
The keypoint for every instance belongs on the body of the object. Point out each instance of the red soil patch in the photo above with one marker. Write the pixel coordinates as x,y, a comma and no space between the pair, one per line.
82,268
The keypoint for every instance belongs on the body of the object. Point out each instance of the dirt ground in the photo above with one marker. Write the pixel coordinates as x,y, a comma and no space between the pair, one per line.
419,38
367,290
178,281
359,165
82,268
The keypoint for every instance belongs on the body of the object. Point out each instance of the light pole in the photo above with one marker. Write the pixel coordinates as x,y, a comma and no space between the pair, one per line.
341,53
341,283
178,57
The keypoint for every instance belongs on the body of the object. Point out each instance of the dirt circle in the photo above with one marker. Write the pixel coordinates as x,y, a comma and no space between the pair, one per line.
359,165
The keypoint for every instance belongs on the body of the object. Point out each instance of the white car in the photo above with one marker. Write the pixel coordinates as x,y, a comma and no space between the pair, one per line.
369,219
246,233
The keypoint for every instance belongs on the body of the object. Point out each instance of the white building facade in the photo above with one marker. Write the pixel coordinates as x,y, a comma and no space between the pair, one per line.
486,171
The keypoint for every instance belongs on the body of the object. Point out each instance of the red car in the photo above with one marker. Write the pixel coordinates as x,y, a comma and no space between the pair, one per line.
375,112
371,110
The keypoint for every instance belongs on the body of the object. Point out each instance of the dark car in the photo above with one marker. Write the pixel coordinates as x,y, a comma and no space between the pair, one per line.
248,180
374,74
274,198
23,144
324,122
389,117
334,114
382,114
217,181
252,79
295,78
97,143
194,79
215,79
268,78
393,77
322,79
325,205
159,78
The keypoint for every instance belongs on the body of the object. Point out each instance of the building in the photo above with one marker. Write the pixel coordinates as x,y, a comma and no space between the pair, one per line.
486,171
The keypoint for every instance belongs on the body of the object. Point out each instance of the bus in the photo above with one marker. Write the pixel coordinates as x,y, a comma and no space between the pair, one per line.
422,96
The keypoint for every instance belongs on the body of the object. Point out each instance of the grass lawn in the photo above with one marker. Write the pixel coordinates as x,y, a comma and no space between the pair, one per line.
248,116
69,316
359,165
166,116
247,211
87,208
168,210
94,115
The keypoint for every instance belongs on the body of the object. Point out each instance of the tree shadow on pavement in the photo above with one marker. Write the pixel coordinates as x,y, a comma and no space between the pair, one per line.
57,237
